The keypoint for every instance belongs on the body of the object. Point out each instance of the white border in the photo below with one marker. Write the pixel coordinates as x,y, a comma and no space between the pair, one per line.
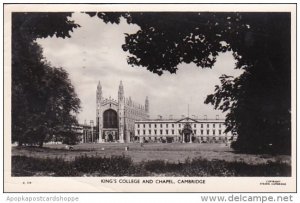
84,184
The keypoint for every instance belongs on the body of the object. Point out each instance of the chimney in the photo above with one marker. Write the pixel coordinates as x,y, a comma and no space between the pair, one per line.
170,117
217,117
205,117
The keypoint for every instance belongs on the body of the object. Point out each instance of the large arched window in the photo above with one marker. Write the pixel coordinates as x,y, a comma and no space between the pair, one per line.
110,119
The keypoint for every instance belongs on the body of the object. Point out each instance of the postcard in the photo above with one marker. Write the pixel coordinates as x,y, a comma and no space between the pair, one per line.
149,98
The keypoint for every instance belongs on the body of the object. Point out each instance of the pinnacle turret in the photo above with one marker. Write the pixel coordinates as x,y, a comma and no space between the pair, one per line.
147,105
99,92
121,91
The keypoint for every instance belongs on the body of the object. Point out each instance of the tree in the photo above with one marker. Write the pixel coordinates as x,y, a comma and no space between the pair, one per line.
259,100
43,99
258,103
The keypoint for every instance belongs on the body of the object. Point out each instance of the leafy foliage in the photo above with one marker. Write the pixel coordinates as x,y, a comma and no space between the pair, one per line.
123,166
258,103
114,166
35,25
44,101
28,166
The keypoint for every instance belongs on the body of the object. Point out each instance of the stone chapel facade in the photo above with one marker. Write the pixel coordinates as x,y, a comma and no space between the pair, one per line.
115,119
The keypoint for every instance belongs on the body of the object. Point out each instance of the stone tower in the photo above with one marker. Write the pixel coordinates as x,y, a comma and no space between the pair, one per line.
147,106
99,112
121,112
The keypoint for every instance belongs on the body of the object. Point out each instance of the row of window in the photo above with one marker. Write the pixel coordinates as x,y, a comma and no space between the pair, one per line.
201,138
179,125
143,132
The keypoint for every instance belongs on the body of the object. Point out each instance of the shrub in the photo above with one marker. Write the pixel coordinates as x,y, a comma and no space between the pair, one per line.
24,166
123,166
156,166
115,165
119,165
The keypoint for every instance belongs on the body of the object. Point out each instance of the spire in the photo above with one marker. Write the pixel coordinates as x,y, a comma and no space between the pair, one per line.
99,92
121,90
121,84
147,105
99,87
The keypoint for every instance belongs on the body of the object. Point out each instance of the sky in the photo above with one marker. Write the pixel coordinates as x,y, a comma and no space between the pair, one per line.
94,53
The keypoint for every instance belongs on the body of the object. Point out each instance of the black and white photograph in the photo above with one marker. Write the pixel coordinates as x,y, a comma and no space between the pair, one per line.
150,97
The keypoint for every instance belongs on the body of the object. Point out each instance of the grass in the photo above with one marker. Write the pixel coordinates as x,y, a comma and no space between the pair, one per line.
124,166
171,159
171,152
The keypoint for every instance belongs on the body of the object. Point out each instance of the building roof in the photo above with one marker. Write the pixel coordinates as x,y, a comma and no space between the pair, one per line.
182,120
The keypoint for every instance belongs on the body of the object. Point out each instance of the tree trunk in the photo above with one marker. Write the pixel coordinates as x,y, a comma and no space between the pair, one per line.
41,143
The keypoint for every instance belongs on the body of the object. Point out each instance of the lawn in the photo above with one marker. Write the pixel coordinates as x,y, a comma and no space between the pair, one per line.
171,152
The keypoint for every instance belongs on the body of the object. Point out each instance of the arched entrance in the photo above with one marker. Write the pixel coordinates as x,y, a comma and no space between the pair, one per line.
187,133
110,138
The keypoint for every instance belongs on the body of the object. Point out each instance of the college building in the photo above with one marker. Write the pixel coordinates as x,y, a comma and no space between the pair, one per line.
124,120
184,130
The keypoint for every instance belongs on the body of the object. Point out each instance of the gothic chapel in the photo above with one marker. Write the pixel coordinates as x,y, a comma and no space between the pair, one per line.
115,119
